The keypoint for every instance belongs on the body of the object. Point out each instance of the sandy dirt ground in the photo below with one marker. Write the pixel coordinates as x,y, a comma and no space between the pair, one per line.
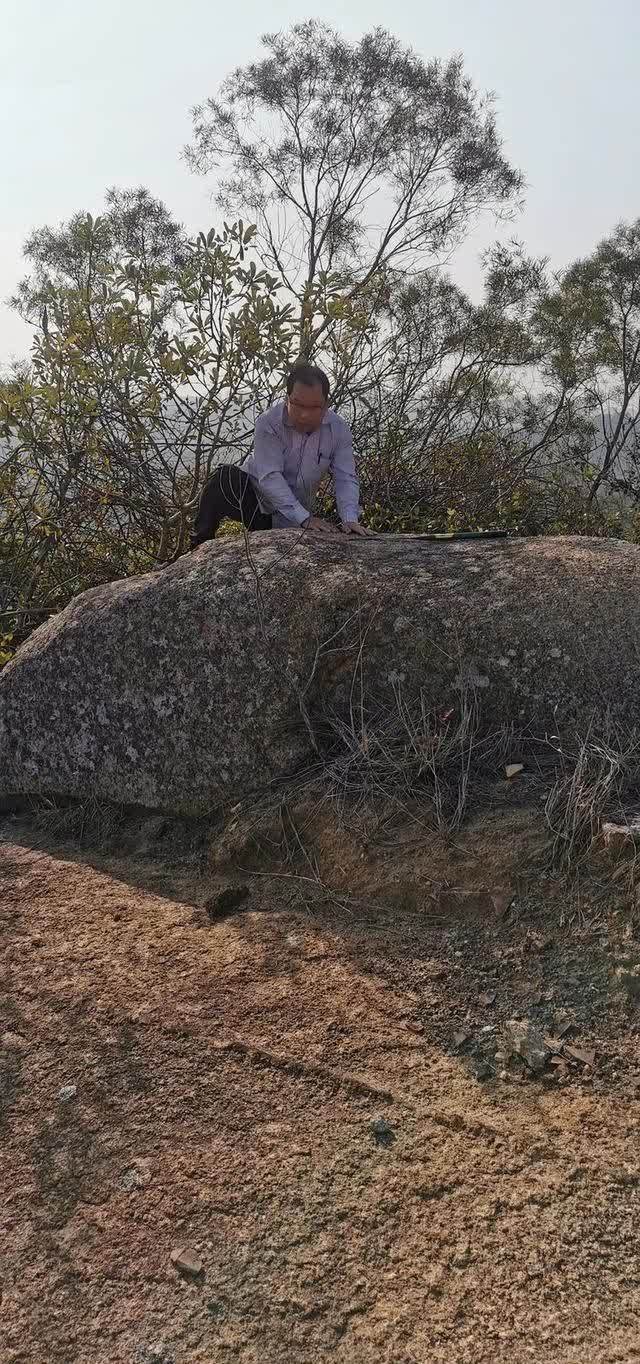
276,1136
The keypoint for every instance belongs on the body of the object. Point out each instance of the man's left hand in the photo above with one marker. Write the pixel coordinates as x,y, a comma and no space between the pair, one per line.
354,528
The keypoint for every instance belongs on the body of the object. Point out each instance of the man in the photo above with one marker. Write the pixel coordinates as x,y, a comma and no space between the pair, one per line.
296,443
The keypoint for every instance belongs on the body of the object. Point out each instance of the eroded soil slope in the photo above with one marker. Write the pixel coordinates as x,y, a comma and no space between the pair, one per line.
305,1100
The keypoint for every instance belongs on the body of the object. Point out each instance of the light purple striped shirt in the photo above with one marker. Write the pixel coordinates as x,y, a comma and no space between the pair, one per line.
286,466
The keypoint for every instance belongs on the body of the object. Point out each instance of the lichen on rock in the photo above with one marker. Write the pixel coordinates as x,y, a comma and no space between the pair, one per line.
203,681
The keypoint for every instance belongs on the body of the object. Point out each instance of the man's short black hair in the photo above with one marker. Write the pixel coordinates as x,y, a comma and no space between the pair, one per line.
309,375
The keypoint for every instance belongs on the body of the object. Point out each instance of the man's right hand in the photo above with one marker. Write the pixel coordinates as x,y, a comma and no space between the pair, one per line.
325,527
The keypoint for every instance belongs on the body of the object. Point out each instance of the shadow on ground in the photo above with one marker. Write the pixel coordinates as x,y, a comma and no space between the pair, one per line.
307,1095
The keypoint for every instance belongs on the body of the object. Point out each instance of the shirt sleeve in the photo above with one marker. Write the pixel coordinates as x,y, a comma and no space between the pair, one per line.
268,463
345,478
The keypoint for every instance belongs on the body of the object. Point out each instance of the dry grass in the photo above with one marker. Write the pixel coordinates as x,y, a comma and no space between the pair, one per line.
594,783
402,761
384,784
91,822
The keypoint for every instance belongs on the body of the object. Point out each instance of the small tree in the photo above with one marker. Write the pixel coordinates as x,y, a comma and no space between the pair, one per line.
362,165
589,328
354,160
144,372
444,401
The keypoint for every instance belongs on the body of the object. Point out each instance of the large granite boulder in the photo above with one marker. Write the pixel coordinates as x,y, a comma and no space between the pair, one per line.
198,683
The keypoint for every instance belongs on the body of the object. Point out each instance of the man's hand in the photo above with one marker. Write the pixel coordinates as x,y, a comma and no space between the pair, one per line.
354,528
316,523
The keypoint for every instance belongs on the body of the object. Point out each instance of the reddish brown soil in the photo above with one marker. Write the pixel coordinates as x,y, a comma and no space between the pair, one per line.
225,1078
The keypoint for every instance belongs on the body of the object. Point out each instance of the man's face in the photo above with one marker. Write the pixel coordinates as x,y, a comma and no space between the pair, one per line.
307,406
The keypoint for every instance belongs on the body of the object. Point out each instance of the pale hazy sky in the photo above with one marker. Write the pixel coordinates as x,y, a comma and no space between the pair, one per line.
97,95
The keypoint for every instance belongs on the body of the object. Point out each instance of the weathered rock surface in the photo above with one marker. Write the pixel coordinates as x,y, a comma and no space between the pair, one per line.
195,684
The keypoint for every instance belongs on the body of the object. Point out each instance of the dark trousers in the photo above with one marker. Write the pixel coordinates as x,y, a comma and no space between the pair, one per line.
229,495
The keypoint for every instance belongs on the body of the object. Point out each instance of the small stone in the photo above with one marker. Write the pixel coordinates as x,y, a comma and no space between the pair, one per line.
460,1037
154,1354
12,1041
434,1278
585,1055
67,1093
415,1027
138,1175
462,1255
617,838
383,1132
187,1262
513,770
525,1040
488,998
554,1045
